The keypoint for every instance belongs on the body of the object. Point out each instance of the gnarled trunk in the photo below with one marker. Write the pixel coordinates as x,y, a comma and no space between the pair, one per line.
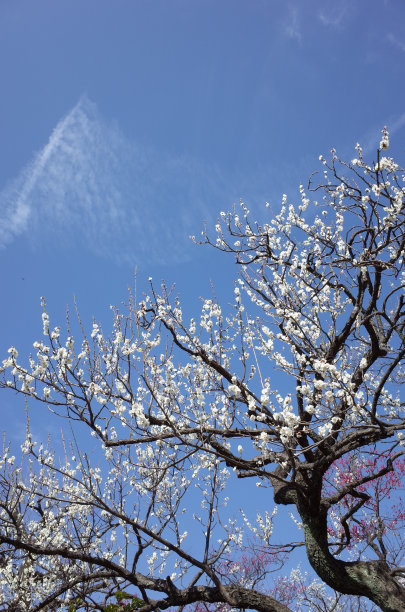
370,579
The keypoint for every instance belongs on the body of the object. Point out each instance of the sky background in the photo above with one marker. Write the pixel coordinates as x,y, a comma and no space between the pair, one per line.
126,125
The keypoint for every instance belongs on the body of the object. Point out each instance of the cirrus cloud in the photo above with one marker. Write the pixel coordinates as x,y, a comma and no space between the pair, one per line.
91,186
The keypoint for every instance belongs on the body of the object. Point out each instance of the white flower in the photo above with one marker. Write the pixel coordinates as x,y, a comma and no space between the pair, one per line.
13,352
385,142
386,163
319,384
324,430
286,433
45,322
56,333
234,390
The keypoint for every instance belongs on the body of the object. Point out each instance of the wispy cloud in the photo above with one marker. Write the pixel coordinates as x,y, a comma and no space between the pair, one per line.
333,14
293,27
399,44
15,214
396,124
92,186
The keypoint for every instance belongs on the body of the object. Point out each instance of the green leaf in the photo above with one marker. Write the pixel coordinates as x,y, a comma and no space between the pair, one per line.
73,605
120,595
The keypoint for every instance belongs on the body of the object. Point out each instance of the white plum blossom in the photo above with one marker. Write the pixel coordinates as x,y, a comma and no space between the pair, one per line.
45,321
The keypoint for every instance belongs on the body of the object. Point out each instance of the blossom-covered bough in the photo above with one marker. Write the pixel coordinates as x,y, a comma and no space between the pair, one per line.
296,386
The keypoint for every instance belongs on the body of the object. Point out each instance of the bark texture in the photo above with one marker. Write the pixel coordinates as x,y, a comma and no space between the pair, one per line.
370,579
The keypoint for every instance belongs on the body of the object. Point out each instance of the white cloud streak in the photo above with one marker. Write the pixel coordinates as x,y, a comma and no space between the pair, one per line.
396,124
396,42
90,186
293,27
333,13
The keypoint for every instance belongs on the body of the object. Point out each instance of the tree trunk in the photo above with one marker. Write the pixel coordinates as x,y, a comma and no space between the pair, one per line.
370,579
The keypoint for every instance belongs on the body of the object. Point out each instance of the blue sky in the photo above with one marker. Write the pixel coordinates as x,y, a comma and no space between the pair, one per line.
126,125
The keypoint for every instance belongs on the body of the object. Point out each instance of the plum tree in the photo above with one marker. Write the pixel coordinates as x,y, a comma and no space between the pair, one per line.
295,384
